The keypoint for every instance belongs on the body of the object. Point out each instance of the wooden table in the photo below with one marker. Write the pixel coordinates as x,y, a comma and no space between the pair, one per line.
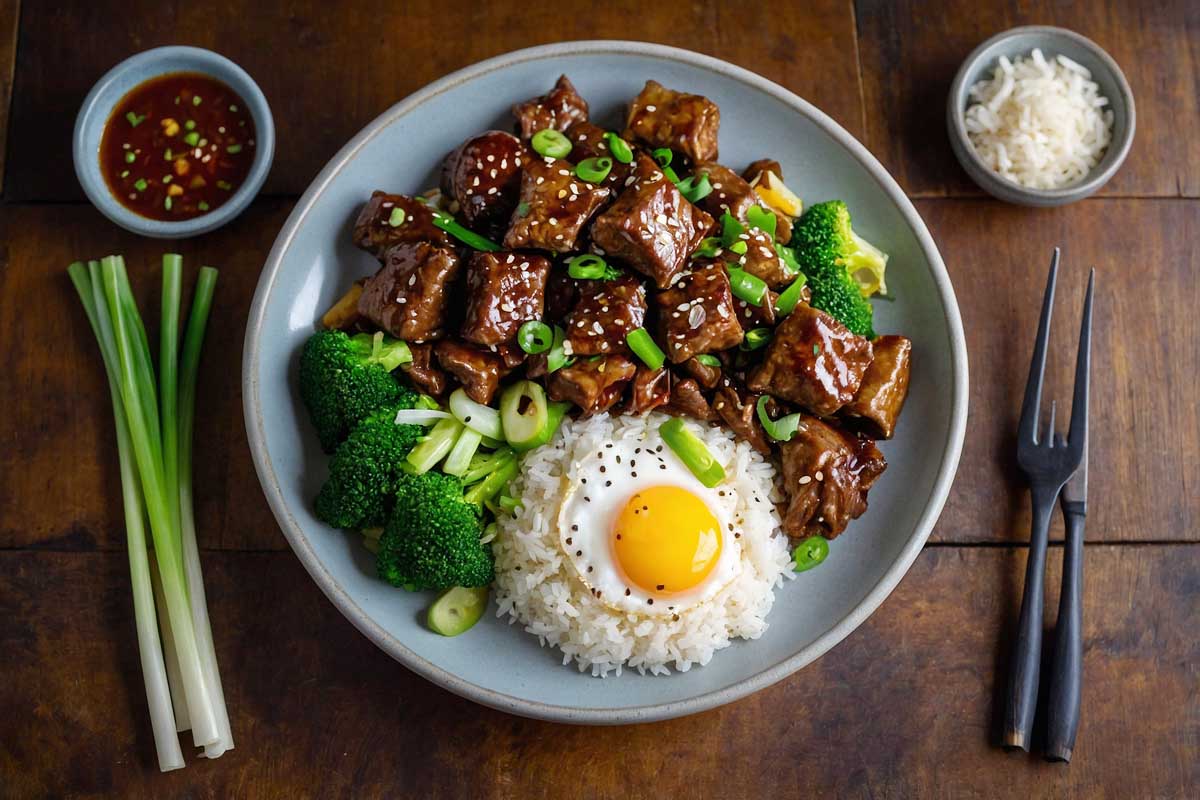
905,707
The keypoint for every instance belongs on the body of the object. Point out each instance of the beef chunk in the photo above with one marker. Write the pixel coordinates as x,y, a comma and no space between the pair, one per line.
762,260
554,207
504,291
696,315
561,292
877,405
754,172
826,475
484,177
407,297
736,406
814,361
587,141
479,371
706,376
650,225
688,400
593,385
729,191
651,389
558,109
662,117
752,316
421,372
511,355
374,232
604,314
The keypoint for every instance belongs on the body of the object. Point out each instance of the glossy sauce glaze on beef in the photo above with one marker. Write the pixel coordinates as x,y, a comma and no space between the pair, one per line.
460,302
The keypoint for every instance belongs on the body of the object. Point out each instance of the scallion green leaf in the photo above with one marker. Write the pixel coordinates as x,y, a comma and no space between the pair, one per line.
790,297
755,338
619,148
747,287
694,454
644,347
782,429
551,143
594,170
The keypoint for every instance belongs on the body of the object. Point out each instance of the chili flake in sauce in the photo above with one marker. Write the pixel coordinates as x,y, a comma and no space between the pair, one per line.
177,146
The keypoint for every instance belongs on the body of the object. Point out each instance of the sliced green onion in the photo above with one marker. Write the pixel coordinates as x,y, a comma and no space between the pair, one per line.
747,287
133,119
124,173
591,267
790,297
508,504
130,157
195,99
464,235
522,209
708,360
190,124
226,185
167,204
535,337
645,348
190,139
482,419
663,156
620,148
710,247
459,458
483,464
739,247
166,179
692,452
233,149
494,483
695,190
435,446
556,410
782,429
731,229
556,357
425,401
396,218
524,414
755,338
551,143
387,352
809,553
671,176
420,416
168,155
789,258
140,184
457,610
203,206
594,170
764,220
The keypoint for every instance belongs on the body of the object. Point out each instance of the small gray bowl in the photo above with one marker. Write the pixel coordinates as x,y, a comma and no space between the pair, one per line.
124,77
1052,41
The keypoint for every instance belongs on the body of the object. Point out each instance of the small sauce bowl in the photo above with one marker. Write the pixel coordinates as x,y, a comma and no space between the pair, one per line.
126,76
1052,41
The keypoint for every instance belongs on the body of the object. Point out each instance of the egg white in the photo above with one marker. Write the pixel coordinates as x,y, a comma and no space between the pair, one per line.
597,489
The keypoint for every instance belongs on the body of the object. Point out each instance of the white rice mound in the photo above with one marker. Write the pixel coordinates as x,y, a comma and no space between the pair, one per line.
1041,124
537,585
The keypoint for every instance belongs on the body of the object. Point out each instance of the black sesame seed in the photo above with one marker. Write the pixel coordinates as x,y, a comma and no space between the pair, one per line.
660,587
675,617
589,569
627,593
602,469
632,463
618,536
618,459
645,508
578,553
583,480
587,499
574,528
737,535
649,601
721,493
608,483
637,450
608,446
467,418
633,474
662,466
658,449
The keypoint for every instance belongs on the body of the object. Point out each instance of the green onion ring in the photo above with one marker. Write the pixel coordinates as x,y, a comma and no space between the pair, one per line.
594,170
695,190
535,337
708,360
755,338
747,287
790,297
809,553
663,156
782,429
620,148
692,452
464,235
551,143
645,348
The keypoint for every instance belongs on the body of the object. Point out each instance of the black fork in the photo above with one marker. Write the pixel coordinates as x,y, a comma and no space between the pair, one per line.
1048,461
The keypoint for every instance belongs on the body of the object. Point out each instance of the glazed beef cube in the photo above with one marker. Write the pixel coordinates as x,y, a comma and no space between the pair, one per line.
688,400
554,207
737,407
696,315
814,361
594,386
706,376
651,389
762,260
826,475
751,316
558,109
511,355
587,141
729,191
421,372
662,117
651,226
504,291
561,292
484,177
604,315
407,297
477,370
375,233
877,405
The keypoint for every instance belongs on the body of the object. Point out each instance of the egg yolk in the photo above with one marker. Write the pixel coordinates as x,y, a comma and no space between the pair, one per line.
666,539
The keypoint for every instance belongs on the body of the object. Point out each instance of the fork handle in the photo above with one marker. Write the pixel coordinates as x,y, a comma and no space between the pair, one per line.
1027,656
1066,672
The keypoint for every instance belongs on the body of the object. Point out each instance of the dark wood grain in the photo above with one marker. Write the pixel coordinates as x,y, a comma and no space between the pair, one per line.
911,50
1145,348
334,67
901,709
10,12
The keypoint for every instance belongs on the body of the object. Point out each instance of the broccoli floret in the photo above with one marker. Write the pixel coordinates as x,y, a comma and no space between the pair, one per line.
830,253
345,378
365,470
432,538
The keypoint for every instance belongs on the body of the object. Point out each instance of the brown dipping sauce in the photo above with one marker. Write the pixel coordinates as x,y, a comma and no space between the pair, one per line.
177,146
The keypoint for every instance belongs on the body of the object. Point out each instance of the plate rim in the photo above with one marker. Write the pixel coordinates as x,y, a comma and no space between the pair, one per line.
256,434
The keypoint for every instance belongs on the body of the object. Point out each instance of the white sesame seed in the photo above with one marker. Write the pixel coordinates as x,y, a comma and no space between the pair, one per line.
651,108
492,173
805,479
820,475
553,221
492,190
491,158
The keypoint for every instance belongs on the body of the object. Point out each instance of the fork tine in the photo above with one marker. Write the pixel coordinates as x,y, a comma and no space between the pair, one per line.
1049,439
1028,428
1083,362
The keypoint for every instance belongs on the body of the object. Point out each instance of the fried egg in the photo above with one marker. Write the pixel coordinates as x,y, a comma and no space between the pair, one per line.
643,534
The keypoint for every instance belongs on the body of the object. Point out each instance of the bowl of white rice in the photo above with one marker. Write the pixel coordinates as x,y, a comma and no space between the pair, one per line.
1040,116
